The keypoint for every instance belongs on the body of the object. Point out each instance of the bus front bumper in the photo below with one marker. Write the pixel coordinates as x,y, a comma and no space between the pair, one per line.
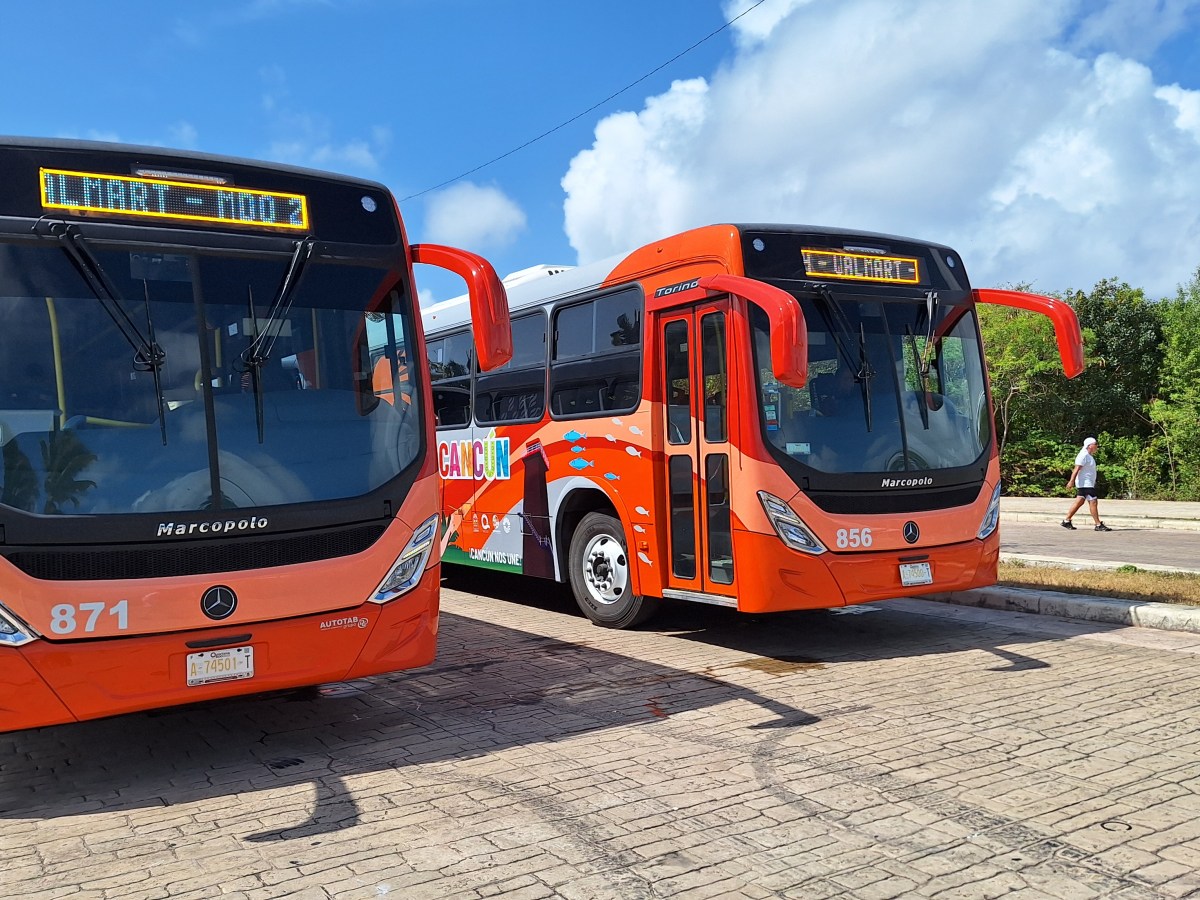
49,683
800,581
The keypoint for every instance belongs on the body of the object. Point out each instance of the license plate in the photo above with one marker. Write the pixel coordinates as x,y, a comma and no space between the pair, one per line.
912,574
213,666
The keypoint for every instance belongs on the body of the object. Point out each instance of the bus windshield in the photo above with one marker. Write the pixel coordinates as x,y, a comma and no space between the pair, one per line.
895,385
253,407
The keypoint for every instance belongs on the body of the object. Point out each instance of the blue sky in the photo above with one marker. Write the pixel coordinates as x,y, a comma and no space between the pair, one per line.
1055,142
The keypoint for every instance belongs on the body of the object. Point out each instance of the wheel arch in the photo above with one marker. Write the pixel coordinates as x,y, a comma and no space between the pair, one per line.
576,504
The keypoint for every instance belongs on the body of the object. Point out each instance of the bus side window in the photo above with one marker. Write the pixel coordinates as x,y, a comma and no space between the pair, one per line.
597,356
452,406
516,391
451,362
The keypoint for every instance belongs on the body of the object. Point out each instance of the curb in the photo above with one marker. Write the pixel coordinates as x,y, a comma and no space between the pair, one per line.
1079,565
1105,610
1117,522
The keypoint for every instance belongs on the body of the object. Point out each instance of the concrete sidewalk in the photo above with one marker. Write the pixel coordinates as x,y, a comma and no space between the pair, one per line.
1154,536
1140,514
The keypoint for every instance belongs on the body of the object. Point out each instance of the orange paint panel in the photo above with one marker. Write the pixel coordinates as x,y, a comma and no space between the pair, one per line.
800,581
714,248
876,576
405,635
25,699
794,581
102,678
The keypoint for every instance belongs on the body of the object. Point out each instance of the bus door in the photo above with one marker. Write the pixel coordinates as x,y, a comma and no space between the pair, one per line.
695,375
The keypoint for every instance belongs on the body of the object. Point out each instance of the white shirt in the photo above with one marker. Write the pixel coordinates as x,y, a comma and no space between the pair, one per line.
1087,470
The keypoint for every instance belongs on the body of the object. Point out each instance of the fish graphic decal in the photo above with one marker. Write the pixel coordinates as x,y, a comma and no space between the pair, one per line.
639,529
580,464
576,449
641,510
617,422
633,451
633,429
612,476
610,438
574,435
644,558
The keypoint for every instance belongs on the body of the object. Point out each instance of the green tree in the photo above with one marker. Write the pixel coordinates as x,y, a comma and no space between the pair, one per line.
1175,410
1124,336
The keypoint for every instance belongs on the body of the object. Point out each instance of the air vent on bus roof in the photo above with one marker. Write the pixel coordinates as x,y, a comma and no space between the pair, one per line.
532,273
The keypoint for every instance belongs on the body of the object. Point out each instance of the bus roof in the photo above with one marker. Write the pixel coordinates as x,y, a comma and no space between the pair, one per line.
528,287
35,143
524,288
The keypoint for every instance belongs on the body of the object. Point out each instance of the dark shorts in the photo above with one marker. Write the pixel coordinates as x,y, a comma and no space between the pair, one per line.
1088,494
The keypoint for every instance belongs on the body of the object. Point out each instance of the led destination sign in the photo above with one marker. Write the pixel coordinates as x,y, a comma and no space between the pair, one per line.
172,200
861,266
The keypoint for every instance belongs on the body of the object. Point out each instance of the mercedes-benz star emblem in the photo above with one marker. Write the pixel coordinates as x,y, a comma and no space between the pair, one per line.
218,602
911,532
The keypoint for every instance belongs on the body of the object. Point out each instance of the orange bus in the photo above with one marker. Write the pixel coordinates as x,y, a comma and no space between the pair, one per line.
763,417
201,493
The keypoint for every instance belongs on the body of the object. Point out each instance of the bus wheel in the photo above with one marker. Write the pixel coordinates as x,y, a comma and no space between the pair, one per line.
600,576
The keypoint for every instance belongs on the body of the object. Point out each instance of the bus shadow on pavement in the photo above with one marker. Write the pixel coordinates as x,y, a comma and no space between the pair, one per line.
848,634
790,641
491,688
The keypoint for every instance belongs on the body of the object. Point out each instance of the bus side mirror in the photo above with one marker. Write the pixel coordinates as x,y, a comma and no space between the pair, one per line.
789,332
489,301
1066,324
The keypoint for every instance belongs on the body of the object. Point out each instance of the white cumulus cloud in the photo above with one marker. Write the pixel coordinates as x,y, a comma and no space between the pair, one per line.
471,215
1019,132
310,139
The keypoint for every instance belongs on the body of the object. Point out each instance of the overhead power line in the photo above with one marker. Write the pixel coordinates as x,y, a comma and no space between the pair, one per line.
591,108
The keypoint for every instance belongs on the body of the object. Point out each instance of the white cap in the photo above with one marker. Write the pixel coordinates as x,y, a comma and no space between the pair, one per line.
1087,443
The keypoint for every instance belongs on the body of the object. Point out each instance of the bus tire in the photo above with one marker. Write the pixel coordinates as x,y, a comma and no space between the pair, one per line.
601,577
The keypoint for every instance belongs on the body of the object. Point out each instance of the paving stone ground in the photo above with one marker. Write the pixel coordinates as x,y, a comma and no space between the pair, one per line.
917,750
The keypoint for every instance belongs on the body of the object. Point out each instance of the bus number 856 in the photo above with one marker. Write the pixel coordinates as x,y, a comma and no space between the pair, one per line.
854,537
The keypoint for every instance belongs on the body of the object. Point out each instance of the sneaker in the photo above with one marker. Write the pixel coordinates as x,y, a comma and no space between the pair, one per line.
1103,527
1066,523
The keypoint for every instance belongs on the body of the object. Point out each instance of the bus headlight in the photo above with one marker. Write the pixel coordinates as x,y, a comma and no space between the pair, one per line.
410,564
791,530
991,518
14,632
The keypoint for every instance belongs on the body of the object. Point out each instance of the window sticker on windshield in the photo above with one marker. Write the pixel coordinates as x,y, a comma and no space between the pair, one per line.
771,414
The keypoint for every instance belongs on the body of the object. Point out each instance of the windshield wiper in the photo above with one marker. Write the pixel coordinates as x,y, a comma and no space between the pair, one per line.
931,299
260,348
923,358
258,352
839,326
148,356
865,372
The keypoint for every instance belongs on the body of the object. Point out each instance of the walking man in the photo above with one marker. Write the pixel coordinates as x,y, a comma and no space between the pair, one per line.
1083,477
